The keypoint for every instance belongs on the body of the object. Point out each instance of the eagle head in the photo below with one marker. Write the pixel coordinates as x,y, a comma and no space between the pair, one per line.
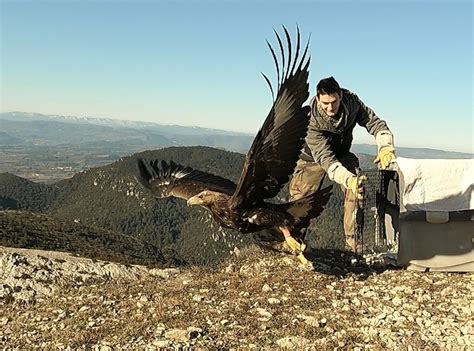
204,198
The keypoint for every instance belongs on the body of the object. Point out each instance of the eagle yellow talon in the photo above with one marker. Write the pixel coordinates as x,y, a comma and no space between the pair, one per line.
303,260
303,247
294,245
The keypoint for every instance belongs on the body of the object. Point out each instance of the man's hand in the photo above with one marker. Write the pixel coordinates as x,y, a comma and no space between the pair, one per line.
385,156
354,184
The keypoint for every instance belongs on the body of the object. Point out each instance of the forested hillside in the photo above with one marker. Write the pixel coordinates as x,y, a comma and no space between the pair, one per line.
110,198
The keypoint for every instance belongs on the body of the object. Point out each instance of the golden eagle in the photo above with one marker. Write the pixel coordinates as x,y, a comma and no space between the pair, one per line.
267,167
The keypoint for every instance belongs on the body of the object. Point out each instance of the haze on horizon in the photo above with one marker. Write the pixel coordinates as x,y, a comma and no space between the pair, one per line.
198,63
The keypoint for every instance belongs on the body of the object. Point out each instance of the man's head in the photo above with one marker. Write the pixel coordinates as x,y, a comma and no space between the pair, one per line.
329,95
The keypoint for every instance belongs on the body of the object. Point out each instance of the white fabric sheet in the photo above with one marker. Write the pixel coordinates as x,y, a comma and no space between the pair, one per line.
436,184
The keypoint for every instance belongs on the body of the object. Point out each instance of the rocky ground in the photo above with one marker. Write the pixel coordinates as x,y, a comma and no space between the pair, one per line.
258,299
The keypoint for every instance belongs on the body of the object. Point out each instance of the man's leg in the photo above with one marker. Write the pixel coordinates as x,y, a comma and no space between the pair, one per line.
351,162
307,178
349,219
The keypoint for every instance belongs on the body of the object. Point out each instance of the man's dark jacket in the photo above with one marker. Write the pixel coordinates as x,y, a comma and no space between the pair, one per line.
331,138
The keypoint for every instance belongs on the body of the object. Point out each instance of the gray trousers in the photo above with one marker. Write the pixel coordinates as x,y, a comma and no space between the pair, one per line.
307,178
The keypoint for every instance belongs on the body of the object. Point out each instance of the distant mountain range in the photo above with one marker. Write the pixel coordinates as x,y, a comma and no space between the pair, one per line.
19,128
412,152
113,123
34,129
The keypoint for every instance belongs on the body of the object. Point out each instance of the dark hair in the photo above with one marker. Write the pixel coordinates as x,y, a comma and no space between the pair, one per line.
328,86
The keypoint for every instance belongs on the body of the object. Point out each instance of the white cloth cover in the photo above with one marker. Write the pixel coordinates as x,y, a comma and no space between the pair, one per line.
436,184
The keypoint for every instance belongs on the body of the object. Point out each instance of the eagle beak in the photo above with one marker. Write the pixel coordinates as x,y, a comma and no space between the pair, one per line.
194,201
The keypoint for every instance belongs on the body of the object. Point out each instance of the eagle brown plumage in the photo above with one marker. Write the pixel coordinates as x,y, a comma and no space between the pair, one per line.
267,167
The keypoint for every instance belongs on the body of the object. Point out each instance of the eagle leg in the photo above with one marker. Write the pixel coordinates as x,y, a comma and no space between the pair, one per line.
292,243
303,260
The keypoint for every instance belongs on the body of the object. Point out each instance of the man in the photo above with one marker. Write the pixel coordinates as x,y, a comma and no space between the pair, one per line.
334,114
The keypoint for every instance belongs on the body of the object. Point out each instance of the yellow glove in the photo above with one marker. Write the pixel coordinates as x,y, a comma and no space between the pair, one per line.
385,156
354,184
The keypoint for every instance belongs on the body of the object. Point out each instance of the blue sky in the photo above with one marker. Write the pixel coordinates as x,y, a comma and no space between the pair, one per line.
199,62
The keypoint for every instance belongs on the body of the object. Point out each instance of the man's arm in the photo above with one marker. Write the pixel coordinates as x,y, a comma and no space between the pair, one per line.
367,118
322,154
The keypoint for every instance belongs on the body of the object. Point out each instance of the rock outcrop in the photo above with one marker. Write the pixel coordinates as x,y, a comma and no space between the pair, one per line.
257,300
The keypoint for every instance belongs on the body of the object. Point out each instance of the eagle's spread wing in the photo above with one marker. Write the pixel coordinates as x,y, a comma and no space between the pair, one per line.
164,180
277,146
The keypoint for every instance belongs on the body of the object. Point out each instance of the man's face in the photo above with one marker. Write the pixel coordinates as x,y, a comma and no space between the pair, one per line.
330,103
